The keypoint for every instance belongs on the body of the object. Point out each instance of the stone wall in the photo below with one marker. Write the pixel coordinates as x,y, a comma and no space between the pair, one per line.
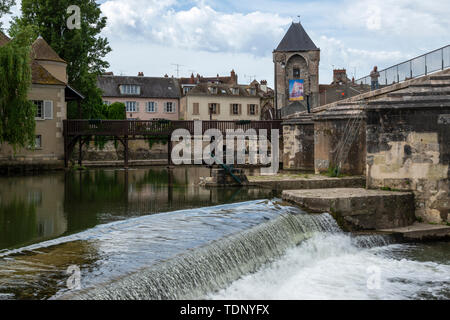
138,150
308,63
298,141
409,149
327,135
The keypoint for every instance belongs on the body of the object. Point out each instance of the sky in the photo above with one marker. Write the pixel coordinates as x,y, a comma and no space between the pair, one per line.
213,37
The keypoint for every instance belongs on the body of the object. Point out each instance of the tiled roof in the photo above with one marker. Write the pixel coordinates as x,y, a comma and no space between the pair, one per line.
202,89
200,79
40,75
3,39
150,87
41,50
296,39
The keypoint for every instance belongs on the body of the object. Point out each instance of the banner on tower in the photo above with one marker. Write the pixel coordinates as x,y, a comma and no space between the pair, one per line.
296,90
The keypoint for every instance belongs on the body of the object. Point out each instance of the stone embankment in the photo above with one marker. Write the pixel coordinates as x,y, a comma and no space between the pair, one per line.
306,181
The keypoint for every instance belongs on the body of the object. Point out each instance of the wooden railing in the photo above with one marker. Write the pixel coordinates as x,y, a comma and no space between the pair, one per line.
157,127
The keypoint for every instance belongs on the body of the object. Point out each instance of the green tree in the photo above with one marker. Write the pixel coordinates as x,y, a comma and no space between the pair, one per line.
116,111
5,5
17,124
83,49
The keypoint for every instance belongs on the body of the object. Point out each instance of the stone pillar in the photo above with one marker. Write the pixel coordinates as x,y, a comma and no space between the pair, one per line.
298,141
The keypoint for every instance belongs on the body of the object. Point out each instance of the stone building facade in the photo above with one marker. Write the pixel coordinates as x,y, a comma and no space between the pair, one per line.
228,102
296,58
49,91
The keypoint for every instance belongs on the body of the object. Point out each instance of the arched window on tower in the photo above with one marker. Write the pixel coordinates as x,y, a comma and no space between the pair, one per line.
296,72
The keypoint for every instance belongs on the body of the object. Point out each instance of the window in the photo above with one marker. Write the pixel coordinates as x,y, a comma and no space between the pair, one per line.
130,89
108,103
252,91
252,109
151,106
39,109
170,107
44,109
186,90
131,106
235,91
213,90
38,142
235,108
296,73
196,110
213,108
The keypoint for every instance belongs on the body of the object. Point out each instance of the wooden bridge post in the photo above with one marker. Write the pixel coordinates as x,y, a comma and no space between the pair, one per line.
126,152
80,152
169,151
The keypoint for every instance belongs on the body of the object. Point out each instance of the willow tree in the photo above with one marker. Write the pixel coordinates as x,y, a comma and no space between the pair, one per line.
17,124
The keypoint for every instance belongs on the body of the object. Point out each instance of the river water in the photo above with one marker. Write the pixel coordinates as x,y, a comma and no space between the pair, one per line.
155,234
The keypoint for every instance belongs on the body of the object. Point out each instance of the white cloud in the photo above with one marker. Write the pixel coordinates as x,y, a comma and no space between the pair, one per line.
398,17
334,53
199,28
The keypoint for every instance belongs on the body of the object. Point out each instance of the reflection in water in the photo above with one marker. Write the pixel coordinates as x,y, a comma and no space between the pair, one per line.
37,208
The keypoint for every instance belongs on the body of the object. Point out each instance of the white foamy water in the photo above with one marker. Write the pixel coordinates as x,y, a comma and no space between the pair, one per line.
334,266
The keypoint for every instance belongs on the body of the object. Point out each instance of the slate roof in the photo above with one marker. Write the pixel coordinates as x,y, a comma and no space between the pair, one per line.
202,89
296,39
150,87
3,39
41,50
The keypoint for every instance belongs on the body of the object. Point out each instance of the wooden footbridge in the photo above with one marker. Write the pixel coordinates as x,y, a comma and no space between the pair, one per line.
82,131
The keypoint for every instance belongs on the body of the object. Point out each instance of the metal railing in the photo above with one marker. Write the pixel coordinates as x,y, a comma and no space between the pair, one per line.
427,63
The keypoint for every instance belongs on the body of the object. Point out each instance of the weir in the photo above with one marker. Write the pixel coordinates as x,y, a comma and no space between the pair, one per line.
203,271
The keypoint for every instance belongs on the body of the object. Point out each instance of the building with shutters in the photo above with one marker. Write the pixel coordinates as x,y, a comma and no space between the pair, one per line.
225,101
50,92
145,98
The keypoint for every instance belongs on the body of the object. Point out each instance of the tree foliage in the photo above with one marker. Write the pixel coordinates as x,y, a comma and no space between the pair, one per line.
17,113
5,5
115,111
83,49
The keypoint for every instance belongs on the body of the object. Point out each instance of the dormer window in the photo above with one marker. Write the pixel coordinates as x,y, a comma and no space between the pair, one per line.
213,90
130,89
186,90
252,91
235,91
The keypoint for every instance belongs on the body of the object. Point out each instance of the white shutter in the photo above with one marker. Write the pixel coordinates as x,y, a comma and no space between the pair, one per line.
165,107
147,107
48,109
137,106
174,107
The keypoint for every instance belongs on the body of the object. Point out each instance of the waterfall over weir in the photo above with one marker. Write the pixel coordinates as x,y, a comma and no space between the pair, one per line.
197,273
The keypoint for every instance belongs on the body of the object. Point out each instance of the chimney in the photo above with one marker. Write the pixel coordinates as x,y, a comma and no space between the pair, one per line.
339,76
234,78
263,86
140,74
